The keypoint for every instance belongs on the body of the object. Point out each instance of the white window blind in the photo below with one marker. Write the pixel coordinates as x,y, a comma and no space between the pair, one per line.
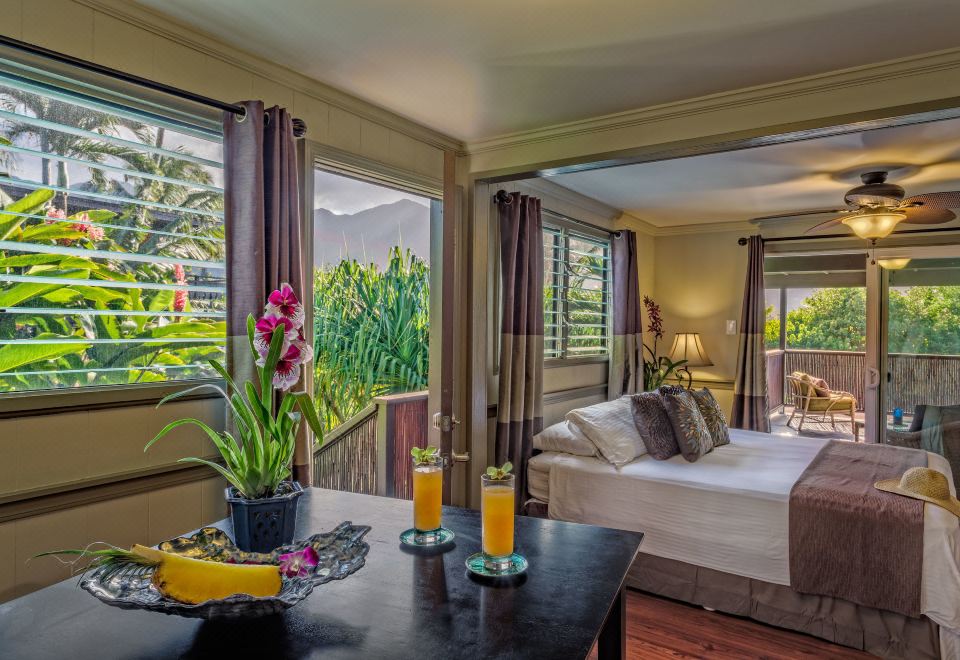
576,293
111,239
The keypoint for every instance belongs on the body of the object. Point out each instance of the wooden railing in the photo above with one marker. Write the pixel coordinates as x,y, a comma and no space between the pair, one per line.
914,379
370,453
347,459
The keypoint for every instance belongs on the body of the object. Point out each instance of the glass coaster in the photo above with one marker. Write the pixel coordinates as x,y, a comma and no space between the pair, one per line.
438,537
475,564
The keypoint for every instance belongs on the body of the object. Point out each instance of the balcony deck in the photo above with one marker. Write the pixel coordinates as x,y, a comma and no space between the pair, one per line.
811,429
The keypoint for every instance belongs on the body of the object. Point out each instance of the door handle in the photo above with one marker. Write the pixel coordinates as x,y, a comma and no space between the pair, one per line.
444,423
459,458
873,378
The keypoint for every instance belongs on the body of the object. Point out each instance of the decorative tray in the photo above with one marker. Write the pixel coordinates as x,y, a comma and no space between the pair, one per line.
340,553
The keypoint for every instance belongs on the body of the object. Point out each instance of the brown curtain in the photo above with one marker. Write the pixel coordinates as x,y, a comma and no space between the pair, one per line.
626,357
520,402
750,405
262,212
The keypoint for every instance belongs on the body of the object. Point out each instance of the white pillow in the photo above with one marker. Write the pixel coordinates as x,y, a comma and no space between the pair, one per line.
611,428
566,438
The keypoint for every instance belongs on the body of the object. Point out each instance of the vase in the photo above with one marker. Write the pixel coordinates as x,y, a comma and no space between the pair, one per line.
263,524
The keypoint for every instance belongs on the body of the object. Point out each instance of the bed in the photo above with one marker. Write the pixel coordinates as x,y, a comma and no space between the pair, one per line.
716,533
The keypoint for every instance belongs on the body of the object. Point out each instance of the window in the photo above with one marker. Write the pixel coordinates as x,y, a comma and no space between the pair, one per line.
576,293
111,239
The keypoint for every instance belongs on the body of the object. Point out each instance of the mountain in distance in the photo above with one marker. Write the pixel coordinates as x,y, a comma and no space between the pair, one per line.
368,235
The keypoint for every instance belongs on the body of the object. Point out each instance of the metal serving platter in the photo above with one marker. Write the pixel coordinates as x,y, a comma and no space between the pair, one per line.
341,552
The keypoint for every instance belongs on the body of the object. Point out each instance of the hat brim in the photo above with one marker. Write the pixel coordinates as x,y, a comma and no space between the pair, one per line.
893,486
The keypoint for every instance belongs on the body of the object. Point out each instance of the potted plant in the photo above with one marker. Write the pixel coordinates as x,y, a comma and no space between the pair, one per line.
656,368
257,453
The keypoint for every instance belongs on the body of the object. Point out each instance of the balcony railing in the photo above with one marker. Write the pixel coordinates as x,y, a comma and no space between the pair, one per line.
913,379
370,453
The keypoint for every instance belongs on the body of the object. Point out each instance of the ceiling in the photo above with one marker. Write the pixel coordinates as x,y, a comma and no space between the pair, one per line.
479,69
740,185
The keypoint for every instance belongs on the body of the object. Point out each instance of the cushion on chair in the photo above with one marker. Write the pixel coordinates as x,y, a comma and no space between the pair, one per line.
839,403
651,420
689,426
712,415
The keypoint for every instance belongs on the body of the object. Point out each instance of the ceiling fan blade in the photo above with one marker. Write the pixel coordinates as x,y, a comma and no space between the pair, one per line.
832,222
798,214
948,199
927,215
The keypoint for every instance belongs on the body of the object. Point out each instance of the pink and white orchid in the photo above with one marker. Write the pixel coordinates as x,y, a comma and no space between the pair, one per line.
263,333
299,564
288,368
284,302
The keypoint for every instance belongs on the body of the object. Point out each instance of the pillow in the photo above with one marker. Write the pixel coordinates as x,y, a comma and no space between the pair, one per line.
688,424
713,416
650,417
610,427
566,438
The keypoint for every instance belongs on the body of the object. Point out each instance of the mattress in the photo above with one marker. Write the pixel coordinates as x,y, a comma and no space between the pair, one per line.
729,510
538,474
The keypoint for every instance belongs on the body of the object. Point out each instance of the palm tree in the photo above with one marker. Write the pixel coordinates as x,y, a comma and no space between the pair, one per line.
51,141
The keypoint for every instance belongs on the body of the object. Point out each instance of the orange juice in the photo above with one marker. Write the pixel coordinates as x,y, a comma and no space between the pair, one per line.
497,505
427,497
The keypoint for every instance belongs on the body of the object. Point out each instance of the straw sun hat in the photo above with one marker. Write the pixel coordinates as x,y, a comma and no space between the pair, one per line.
923,484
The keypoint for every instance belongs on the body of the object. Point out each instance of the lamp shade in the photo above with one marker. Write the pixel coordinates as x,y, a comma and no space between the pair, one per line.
874,223
687,346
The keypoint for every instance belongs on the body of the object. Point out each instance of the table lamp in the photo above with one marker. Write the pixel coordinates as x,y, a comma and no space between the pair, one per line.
688,346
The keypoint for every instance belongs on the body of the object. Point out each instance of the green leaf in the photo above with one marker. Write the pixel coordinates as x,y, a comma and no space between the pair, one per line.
27,204
13,356
24,291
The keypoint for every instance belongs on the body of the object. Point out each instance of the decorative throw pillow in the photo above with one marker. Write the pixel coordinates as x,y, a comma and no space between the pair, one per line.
650,418
713,416
689,427
609,426
564,437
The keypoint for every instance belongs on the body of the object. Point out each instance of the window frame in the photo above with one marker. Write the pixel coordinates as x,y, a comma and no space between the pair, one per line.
96,397
568,226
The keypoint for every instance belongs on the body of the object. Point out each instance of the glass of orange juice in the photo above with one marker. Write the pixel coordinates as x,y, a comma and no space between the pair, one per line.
427,478
497,502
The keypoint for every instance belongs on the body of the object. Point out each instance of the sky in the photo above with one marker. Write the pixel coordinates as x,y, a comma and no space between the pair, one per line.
344,195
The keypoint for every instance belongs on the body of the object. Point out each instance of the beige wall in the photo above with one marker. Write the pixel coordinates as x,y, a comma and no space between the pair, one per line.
61,451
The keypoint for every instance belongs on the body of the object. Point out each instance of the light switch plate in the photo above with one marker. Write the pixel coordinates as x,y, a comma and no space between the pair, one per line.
731,327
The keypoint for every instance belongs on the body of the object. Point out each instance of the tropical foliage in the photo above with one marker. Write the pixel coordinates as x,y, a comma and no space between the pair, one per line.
371,333
656,368
123,311
922,319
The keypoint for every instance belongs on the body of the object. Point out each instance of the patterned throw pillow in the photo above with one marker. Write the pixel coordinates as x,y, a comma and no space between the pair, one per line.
688,424
713,416
652,422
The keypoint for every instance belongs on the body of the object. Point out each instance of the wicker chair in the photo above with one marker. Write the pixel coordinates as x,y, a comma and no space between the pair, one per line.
819,404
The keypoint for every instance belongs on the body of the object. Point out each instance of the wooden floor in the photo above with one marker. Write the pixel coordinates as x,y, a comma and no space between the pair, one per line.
658,629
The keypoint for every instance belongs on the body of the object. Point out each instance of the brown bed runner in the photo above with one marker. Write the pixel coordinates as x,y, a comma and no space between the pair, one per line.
849,540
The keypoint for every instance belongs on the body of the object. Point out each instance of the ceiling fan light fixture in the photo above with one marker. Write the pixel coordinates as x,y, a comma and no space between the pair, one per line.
894,263
872,224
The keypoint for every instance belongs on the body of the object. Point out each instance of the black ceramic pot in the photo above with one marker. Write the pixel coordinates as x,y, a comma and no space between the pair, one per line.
262,525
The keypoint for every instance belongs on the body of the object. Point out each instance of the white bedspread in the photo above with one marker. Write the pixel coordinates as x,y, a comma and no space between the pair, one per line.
729,510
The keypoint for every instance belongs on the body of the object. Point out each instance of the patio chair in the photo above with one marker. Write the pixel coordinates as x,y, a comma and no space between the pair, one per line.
814,400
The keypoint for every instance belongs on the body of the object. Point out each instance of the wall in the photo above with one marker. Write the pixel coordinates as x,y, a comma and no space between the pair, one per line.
41,455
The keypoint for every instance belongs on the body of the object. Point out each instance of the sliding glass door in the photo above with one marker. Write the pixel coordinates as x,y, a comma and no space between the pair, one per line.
918,349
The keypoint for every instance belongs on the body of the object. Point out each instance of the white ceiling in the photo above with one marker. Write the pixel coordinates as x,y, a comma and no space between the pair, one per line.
479,69
740,185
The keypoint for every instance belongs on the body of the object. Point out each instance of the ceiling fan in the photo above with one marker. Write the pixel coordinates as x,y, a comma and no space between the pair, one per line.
876,207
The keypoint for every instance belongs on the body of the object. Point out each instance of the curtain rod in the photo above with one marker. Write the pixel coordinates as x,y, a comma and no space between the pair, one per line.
503,195
777,239
299,126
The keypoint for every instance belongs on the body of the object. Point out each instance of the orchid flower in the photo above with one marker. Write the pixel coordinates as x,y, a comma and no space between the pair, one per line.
55,214
299,564
284,302
288,368
263,332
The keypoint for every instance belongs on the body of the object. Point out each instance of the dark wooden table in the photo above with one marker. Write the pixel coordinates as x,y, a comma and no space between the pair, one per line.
401,604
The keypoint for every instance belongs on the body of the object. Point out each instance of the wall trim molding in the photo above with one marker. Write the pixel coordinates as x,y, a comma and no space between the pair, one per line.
18,506
195,39
575,393
884,72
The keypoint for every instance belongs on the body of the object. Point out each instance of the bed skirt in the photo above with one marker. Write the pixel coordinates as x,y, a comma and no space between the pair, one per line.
886,634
